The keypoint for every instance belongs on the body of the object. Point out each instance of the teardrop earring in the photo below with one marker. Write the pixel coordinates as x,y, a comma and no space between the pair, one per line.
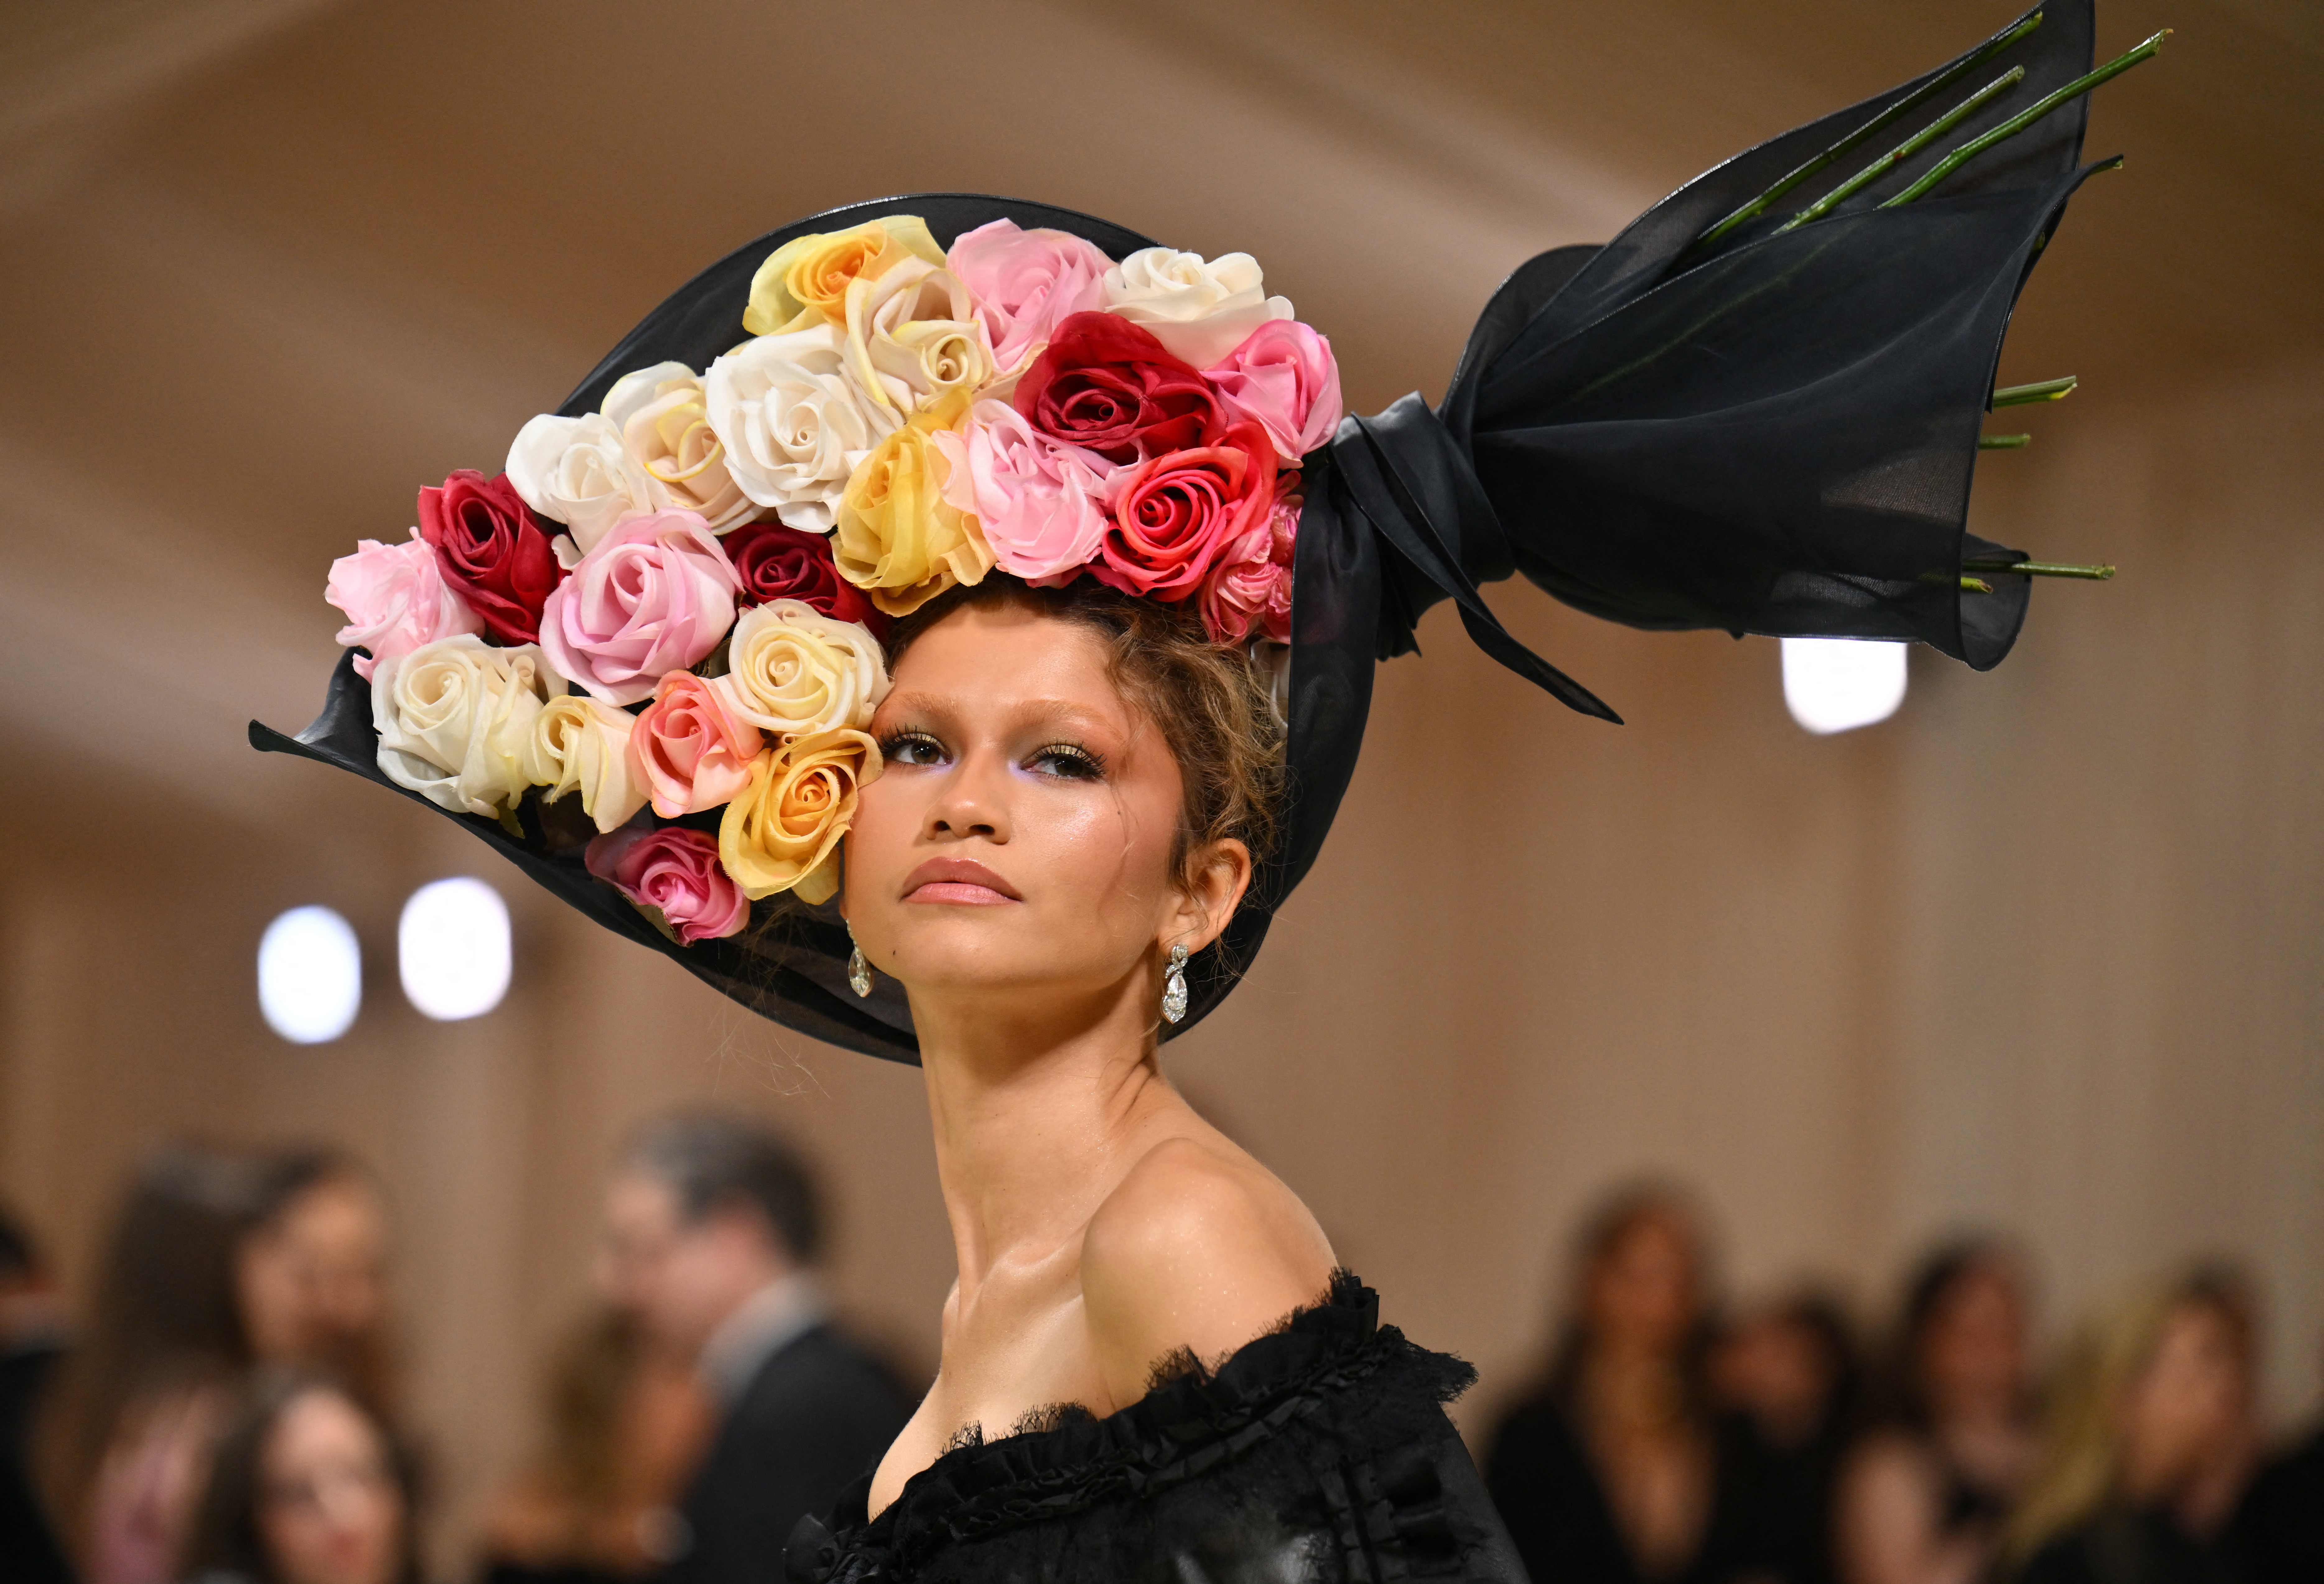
859,972
1173,987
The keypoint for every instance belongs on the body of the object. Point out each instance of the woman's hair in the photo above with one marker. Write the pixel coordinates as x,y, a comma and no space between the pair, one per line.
2082,1442
227,1537
1903,1389
1210,702
1601,1234
166,1314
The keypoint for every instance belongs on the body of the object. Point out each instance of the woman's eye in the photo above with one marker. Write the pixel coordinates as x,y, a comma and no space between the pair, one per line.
911,748
1067,761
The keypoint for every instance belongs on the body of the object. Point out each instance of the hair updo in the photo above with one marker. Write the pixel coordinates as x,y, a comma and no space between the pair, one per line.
1211,703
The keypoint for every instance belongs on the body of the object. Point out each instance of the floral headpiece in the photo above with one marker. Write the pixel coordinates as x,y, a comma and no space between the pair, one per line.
639,662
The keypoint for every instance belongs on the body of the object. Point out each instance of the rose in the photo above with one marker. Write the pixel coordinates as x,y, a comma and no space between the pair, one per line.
780,563
1284,376
1174,515
395,599
1200,312
1025,283
579,745
1250,584
1035,498
663,417
781,833
578,471
489,548
674,872
655,595
898,537
687,751
1107,385
910,339
805,281
454,718
794,672
793,424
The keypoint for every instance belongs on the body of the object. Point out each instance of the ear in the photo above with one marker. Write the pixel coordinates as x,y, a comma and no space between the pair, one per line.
1204,900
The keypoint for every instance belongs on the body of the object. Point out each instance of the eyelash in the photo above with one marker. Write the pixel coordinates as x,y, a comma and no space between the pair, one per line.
1076,763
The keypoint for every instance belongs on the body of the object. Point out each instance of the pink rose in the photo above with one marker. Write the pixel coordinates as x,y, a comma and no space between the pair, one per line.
675,870
1283,376
688,750
654,596
1250,584
1036,499
1174,515
1024,282
395,599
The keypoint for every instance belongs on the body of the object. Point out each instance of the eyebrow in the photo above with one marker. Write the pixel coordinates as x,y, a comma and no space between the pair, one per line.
1027,712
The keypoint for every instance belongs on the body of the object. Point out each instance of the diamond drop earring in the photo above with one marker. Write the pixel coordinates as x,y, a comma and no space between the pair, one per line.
1173,987
859,972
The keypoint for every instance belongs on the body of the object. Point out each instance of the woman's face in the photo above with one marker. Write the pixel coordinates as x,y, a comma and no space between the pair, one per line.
1645,1289
1021,836
1975,1345
312,1280
330,1511
2186,1410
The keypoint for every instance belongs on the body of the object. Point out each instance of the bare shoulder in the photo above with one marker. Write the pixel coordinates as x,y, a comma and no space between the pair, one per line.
1200,1248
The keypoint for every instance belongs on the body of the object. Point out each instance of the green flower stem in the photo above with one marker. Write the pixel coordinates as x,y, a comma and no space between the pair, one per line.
2040,391
2004,442
1906,149
2041,570
1975,585
1903,107
2027,117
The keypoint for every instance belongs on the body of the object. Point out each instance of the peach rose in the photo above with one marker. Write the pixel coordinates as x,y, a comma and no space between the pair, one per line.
687,751
782,833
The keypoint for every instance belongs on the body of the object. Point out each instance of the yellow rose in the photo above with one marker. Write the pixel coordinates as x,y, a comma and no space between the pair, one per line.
782,832
794,671
803,282
897,537
579,745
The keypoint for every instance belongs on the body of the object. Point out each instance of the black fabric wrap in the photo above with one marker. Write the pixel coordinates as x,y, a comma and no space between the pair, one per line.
1774,436
1320,1453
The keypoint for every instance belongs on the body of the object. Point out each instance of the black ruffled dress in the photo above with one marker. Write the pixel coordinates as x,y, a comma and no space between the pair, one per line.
1317,1454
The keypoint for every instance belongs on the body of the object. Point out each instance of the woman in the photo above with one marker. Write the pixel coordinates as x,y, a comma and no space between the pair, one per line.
1790,1375
1613,1471
2151,1445
307,1488
1925,1498
310,1277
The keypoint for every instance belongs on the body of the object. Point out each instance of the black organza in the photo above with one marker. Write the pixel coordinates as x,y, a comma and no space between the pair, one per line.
1320,1454
1776,435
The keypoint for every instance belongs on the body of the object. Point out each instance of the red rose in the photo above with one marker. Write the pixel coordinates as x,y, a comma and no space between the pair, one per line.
490,548
780,563
1106,385
1173,516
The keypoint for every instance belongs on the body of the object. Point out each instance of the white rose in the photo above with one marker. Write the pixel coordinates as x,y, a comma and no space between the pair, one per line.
913,337
666,431
578,472
794,425
455,717
793,670
579,745
1199,311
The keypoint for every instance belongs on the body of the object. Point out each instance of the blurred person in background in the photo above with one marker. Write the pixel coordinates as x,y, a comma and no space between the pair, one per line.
1613,1472
626,1424
305,1487
2150,1443
220,1260
32,1340
1789,1377
1924,1498
2280,1526
712,1235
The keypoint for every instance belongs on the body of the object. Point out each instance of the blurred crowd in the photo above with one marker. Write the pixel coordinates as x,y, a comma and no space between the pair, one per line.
226,1407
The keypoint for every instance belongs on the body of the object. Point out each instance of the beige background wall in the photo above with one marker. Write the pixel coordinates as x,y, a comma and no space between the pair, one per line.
2045,951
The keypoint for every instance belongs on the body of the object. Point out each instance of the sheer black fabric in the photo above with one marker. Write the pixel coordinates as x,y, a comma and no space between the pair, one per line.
1319,1454
1776,435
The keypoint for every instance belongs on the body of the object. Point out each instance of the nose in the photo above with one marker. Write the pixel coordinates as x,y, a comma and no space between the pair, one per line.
971,801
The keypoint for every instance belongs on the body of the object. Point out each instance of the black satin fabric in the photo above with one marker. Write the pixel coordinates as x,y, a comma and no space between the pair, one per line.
1319,1454
1773,435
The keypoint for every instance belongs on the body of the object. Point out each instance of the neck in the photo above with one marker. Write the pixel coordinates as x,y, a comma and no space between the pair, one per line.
1037,1113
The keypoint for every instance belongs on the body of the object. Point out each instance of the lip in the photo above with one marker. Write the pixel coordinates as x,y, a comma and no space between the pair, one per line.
958,880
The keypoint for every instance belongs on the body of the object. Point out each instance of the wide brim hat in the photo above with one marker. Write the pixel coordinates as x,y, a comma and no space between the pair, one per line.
1716,420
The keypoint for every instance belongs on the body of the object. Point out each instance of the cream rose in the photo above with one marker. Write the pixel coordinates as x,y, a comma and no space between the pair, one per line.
782,832
793,424
578,472
795,672
913,338
454,719
805,281
663,417
1199,311
579,745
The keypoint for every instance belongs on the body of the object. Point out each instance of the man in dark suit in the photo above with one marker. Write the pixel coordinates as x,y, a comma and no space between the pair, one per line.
711,1239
